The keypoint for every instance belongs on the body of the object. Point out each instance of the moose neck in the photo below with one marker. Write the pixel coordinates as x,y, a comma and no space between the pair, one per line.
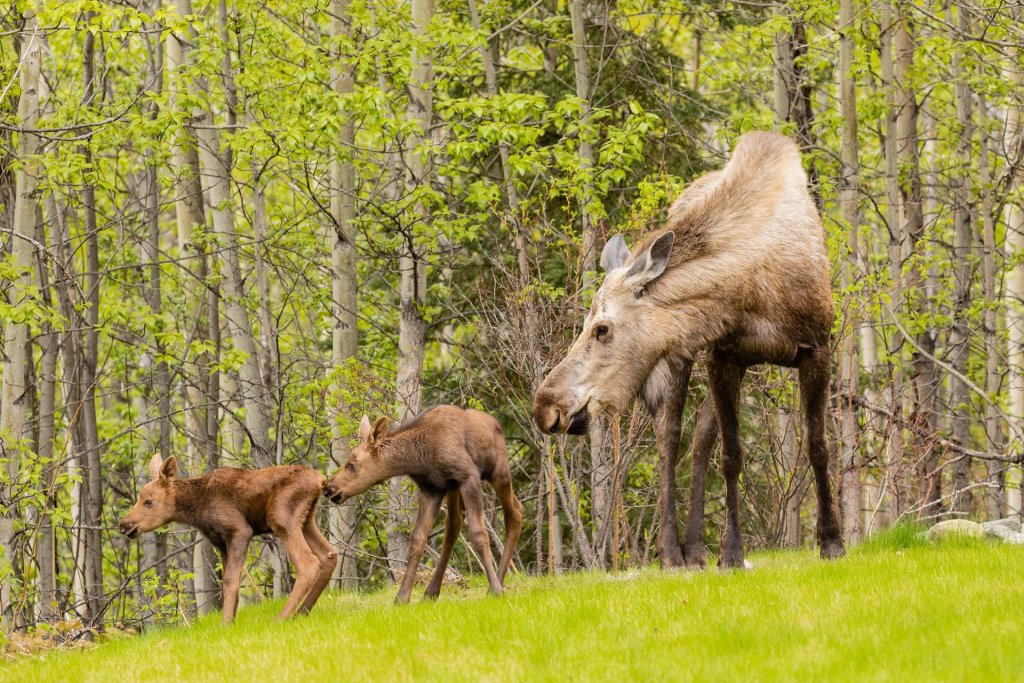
189,500
399,456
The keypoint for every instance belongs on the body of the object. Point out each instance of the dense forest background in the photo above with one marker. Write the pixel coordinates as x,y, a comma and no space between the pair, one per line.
228,229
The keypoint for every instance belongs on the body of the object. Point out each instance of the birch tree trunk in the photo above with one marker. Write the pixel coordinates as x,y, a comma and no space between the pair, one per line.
959,337
92,479
1013,294
344,291
889,23
995,495
47,608
412,330
15,357
601,472
849,361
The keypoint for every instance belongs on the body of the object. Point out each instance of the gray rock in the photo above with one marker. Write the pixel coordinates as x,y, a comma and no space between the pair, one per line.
1010,523
1003,533
955,527
1015,538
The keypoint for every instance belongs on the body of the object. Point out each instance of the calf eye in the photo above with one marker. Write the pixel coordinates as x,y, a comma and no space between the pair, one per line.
601,331
148,503
349,467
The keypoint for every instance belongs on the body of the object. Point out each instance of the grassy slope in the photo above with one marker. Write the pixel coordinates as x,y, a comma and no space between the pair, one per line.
918,613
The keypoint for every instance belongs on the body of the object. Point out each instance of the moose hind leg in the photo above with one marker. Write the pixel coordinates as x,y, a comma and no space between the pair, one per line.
430,505
513,510
473,498
307,565
452,525
325,553
726,377
814,381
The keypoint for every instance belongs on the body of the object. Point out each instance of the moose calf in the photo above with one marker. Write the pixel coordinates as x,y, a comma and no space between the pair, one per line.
447,451
229,506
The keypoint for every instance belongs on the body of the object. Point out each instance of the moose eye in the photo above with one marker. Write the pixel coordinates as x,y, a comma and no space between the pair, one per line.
601,331
148,503
349,467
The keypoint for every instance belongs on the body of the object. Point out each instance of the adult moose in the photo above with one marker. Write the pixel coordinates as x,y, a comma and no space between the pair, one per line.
739,271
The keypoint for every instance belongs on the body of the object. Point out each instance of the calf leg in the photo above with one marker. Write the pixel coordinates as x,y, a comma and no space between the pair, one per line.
665,401
233,555
327,555
513,509
430,505
814,380
452,525
705,434
726,376
288,527
473,499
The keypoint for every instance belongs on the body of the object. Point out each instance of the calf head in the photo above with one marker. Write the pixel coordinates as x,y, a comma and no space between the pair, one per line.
156,504
623,336
365,465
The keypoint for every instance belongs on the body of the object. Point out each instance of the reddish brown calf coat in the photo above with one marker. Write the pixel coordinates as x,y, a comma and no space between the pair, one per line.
229,506
448,452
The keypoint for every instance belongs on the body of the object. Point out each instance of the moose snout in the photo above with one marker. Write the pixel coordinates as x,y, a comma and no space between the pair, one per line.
554,418
128,528
333,493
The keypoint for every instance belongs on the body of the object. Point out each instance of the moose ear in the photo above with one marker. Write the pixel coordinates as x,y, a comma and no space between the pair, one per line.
154,466
614,254
380,430
169,468
652,263
364,428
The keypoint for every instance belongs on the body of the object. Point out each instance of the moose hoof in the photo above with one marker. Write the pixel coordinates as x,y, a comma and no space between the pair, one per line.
673,560
695,560
831,550
401,599
732,558
430,595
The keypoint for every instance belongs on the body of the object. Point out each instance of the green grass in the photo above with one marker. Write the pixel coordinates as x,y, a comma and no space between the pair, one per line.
895,609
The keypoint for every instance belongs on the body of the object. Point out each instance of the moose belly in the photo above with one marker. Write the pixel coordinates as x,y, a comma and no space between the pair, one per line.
435,485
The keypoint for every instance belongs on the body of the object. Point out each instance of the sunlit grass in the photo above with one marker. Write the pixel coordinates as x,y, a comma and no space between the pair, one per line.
895,609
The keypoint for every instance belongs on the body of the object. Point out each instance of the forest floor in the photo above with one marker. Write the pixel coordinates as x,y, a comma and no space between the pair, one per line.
894,610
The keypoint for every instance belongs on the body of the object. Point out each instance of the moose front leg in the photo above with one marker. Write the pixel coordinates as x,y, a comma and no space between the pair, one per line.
705,434
430,505
665,395
233,555
726,376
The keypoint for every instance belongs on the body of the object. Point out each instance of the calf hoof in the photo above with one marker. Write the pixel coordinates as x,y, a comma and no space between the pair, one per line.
431,594
401,599
831,550
496,592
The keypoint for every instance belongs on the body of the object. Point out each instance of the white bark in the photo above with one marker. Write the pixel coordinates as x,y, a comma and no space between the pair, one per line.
15,356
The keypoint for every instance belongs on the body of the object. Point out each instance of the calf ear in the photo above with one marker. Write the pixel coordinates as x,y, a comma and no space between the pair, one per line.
364,428
652,263
614,254
154,466
169,468
380,430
